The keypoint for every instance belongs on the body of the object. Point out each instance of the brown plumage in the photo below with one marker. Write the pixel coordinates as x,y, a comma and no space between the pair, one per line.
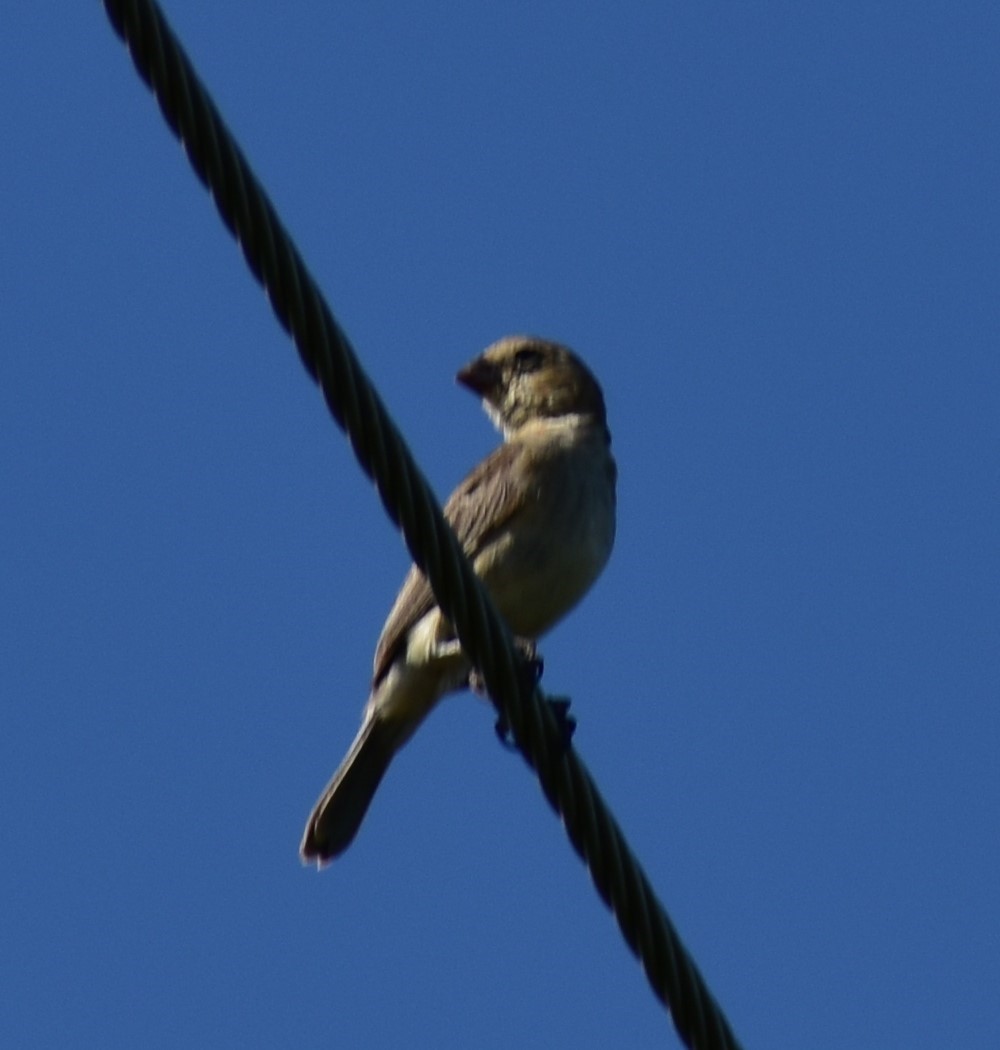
536,518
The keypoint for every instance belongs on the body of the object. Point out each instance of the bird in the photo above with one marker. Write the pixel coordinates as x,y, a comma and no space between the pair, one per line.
536,519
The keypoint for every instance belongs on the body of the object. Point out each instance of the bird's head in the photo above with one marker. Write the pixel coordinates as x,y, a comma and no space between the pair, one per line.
522,379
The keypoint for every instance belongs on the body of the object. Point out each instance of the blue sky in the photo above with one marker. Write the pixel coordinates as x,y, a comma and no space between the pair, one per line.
772,229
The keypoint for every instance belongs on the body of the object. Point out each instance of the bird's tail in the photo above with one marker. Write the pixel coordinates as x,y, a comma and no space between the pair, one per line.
338,814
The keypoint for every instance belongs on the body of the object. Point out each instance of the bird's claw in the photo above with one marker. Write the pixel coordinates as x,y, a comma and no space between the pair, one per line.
559,706
565,722
530,667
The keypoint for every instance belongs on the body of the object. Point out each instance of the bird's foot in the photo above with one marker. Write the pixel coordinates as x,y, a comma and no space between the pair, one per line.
559,706
530,669
566,723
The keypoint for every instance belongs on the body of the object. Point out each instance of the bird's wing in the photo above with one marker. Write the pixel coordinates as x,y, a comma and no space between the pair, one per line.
485,501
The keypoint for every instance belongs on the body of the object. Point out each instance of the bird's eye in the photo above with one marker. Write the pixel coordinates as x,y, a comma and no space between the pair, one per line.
528,359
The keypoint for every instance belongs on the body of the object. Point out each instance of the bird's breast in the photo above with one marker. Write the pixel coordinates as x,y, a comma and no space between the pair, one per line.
558,543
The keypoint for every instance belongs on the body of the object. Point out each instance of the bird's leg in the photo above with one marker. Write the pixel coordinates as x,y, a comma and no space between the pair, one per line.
531,665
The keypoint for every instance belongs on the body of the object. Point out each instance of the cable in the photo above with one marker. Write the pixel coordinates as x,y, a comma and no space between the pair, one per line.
328,357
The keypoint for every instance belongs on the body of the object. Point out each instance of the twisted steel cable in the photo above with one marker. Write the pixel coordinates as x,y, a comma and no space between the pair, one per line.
409,502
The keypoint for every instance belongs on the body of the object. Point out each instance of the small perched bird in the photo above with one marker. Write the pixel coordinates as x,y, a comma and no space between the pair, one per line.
536,518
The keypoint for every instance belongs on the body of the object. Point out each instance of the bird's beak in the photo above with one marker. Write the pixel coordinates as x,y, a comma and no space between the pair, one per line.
479,376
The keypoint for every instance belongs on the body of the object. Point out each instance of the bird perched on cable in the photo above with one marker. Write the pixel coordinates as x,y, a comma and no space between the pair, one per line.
536,519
